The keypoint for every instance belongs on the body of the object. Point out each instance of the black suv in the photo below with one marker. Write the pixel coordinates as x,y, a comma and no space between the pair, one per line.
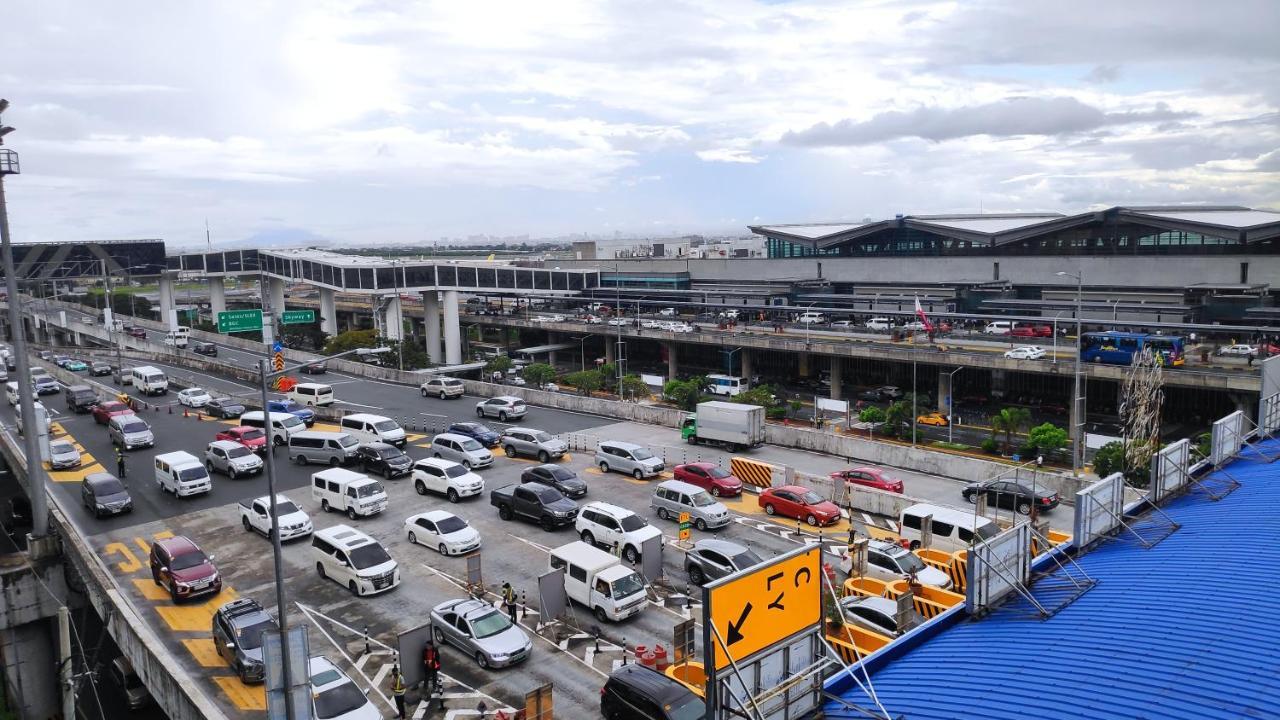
204,348
237,636
383,459
560,478
635,692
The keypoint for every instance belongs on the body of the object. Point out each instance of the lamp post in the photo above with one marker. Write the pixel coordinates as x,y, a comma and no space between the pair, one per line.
951,387
265,374
1055,336
1077,411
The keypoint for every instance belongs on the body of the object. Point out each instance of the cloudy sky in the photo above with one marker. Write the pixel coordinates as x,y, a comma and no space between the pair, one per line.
391,121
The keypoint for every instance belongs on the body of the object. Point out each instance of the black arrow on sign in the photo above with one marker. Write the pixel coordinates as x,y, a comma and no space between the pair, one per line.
734,628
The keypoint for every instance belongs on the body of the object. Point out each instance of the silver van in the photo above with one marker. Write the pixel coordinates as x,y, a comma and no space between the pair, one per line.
673,497
628,459
130,431
322,448
283,425
462,450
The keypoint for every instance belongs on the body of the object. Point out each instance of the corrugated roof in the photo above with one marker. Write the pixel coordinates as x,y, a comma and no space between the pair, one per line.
1240,218
1183,630
990,224
812,232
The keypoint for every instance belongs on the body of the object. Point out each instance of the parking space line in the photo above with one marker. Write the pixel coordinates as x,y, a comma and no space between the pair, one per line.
148,589
204,652
245,697
75,475
196,616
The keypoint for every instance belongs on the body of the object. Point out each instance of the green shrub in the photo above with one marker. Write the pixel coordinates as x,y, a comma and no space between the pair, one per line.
990,445
871,414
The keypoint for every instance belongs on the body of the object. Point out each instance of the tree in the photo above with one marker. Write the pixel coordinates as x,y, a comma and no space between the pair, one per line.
635,388
1047,438
586,381
684,393
501,364
1140,415
871,414
1109,459
1010,421
761,395
350,340
308,337
897,418
539,374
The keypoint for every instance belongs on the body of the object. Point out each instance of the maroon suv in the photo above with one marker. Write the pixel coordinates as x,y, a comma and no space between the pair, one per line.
182,568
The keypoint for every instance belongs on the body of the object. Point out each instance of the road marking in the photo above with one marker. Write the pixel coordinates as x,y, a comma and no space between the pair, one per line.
204,652
195,616
244,697
149,590
356,404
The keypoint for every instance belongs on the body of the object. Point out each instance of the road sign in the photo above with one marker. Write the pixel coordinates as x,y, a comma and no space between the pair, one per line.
277,347
297,317
278,361
684,526
765,604
233,321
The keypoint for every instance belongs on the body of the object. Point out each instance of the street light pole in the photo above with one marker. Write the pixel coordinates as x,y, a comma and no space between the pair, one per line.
951,404
1077,422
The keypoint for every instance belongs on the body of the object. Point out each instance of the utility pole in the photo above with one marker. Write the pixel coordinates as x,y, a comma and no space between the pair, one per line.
66,664
264,370
1077,404
30,439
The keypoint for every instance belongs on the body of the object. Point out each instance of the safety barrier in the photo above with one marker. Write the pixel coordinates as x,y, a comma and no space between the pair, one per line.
854,643
752,472
1055,537
930,601
691,674
864,587
946,562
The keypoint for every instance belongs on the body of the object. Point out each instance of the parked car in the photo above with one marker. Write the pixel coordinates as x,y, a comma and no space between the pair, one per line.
636,691
193,397
386,460
533,443
558,477
480,631
503,407
302,412
251,437
1237,350
442,387
869,477
479,432
1032,331
712,559
204,348
231,459
710,477
224,408
1026,352
879,323
882,393
628,459
445,477
137,332
1012,496
182,568
237,629
444,531
877,614
891,562
673,498
999,327
314,368
461,449
102,493
801,503
334,696
99,369
63,454
123,675
255,516
544,505
103,412
610,525
936,419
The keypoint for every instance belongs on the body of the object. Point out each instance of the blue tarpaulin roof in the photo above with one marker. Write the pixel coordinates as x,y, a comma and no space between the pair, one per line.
1186,629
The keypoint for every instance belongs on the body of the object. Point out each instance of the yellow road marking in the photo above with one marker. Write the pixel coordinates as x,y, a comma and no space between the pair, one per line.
204,652
413,437
244,697
518,459
195,616
129,564
593,471
74,475
325,427
753,508
149,590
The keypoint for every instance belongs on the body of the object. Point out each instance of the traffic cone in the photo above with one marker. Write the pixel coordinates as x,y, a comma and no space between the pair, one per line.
170,409
184,411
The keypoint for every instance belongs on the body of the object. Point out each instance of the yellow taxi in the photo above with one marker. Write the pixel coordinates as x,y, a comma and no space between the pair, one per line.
933,418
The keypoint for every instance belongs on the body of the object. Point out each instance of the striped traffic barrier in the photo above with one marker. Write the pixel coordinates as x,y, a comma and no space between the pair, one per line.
752,472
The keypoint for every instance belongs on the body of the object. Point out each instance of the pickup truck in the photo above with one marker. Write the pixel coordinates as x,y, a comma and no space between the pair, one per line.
542,504
254,517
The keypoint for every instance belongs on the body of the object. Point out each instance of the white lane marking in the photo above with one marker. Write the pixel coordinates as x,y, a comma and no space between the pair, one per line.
356,404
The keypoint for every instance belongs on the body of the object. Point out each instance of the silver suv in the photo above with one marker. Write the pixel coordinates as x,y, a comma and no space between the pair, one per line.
129,432
533,443
628,459
442,387
504,408
231,459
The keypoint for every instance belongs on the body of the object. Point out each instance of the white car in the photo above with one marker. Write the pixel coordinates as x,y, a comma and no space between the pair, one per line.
619,322
843,324
890,563
914,325
653,324
335,697
445,477
812,318
679,327
515,380
607,524
668,312
194,397
1026,352
1238,350
592,320
879,323
444,531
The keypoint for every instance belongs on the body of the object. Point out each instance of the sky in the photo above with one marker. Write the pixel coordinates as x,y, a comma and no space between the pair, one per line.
398,122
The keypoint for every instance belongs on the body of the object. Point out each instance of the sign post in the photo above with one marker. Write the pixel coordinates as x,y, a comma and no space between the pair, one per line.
297,317
277,355
233,321
684,526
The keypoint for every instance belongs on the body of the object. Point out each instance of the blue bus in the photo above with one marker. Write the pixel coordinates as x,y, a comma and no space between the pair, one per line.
1118,348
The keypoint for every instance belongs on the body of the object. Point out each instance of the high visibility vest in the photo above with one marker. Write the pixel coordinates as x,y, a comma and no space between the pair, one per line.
397,684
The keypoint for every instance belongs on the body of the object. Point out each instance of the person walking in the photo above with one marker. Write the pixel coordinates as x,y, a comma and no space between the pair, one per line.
509,601
120,468
430,669
397,690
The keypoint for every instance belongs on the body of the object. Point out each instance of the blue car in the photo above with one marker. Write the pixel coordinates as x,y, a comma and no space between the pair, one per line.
303,413
476,431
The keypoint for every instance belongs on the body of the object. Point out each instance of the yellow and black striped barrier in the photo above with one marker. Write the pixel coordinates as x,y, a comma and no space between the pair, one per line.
752,472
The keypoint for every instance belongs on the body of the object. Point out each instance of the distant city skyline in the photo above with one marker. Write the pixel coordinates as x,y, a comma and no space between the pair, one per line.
385,123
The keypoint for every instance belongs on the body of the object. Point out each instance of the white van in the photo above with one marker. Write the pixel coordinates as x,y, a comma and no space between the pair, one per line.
149,380
314,394
182,331
350,492
42,418
174,339
999,327
879,323
283,425
182,474
951,530
353,560
373,428
600,581
11,393
322,448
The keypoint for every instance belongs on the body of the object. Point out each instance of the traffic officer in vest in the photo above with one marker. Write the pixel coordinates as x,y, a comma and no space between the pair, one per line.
430,668
397,690
509,601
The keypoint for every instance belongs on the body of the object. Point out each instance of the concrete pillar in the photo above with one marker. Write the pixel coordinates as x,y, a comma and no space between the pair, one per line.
610,349
329,311
275,293
804,364
673,361
745,355
431,315
393,319
552,339
168,308
944,391
217,297
452,330
837,377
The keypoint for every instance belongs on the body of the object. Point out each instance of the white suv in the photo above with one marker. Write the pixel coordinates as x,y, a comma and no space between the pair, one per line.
607,524
354,560
445,477
442,387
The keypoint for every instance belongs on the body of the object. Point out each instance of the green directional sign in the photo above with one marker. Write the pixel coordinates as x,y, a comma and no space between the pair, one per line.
234,321
297,317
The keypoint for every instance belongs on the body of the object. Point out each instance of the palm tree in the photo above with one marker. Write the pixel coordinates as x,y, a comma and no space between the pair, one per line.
1010,420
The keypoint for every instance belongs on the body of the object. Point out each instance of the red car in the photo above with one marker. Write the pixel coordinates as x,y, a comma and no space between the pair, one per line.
182,568
1031,331
870,477
250,437
801,503
709,477
103,412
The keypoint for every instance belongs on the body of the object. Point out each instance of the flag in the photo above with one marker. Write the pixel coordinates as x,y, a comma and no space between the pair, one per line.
928,326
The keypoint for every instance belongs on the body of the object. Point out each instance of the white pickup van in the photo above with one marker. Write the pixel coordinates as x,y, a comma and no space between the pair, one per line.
149,380
182,474
600,581
351,492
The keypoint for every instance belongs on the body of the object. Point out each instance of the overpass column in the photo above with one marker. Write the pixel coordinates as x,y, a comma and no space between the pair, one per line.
552,339
168,309
804,364
431,315
452,331
217,297
610,349
329,311
393,319
837,377
673,361
944,391
275,293
745,357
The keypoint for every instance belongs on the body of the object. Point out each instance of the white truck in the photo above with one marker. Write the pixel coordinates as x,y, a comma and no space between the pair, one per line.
734,425
600,581
294,523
